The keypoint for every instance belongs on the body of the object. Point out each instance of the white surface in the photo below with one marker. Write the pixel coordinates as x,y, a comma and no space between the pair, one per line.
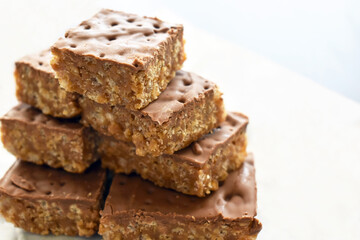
306,139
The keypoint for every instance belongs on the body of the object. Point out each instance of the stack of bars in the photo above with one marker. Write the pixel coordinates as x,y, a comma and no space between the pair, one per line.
112,89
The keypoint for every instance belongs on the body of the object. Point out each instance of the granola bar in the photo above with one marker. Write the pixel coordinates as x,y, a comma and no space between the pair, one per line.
119,58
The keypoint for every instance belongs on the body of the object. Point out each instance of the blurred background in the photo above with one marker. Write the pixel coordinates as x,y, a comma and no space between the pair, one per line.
319,39
292,66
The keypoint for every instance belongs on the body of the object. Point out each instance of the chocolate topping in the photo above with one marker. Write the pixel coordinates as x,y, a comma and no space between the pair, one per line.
236,197
22,183
30,181
26,113
39,61
199,152
196,148
182,89
120,37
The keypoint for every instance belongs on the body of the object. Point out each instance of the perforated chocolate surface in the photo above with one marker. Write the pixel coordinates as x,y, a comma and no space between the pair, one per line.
182,89
39,61
30,181
198,153
236,197
27,114
120,37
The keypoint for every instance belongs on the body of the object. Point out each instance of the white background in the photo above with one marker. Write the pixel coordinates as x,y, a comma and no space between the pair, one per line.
306,138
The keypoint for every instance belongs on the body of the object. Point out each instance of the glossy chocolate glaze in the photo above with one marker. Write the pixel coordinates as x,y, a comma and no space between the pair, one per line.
39,61
29,181
235,198
29,115
184,88
120,37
